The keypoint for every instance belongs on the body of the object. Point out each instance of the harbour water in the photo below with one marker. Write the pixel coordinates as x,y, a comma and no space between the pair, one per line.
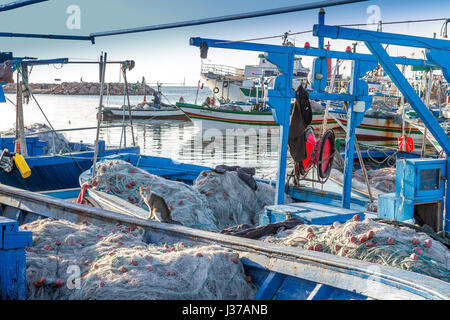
177,139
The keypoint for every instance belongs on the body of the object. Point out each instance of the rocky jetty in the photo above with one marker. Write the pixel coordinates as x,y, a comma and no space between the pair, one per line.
82,88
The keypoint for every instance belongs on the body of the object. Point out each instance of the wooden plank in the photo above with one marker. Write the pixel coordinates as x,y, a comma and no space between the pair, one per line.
270,286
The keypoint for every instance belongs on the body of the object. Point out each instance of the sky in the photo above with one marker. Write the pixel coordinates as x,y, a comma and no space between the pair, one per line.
166,56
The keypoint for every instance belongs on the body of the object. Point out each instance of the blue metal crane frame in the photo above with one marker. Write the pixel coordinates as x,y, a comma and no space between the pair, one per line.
279,98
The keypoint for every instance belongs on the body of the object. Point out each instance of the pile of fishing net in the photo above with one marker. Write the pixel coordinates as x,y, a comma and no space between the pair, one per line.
215,201
6,72
230,107
385,109
56,142
382,179
152,107
370,241
187,206
232,200
83,261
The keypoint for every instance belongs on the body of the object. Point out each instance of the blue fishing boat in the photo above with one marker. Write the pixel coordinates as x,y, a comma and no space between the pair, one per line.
281,272
51,168
58,171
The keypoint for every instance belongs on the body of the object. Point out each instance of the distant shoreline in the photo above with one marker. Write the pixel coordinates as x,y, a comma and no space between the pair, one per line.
82,88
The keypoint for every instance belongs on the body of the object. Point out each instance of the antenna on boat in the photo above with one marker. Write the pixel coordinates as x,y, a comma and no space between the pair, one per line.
99,112
21,145
128,65
145,89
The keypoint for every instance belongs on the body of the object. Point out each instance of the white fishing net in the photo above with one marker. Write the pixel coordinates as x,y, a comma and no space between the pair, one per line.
83,261
370,241
187,206
56,142
215,201
382,179
232,200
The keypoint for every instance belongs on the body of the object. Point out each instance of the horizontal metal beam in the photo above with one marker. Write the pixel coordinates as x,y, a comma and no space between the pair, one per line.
380,37
42,62
255,14
322,53
18,4
43,36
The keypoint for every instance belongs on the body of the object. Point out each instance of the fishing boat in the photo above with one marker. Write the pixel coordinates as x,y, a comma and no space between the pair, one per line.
144,111
230,84
56,171
239,116
278,272
51,167
380,130
152,109
281,272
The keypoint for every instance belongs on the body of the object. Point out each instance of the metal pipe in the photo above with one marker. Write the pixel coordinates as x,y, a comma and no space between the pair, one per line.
43,36
424,138
238,16
73,129
99,113
18,4
129,105
20,130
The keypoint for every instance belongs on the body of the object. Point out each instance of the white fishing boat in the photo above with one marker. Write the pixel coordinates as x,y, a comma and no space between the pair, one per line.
151,108
230,84
146,111
240,116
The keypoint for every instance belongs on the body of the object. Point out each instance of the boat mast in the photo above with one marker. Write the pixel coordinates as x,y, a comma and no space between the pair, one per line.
99,112
20,130
124,73
145,89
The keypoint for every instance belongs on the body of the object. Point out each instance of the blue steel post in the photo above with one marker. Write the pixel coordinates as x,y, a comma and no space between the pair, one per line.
279,99
447,199
350,139
321,22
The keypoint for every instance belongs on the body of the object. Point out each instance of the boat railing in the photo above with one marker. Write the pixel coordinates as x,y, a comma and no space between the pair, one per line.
222,70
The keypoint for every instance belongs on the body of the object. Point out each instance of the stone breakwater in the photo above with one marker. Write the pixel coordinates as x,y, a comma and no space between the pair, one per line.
82,88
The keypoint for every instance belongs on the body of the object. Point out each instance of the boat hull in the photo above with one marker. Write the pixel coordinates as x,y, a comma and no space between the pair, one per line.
57,171
117,113
207,118
280,272
380,130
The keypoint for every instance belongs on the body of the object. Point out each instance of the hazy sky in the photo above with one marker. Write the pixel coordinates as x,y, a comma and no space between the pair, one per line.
166,56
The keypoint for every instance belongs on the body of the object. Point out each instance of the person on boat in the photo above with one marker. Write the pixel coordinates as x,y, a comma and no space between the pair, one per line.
156,99
207,102
181,100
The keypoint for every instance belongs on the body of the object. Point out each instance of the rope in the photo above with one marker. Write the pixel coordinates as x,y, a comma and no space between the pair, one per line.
19,70
339,25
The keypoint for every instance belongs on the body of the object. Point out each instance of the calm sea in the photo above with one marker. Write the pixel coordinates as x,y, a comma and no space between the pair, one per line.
180,140
177,139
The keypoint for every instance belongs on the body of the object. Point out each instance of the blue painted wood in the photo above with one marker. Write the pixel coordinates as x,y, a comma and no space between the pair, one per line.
18,4
12,259
2,93
57,171
309,213
63,194
447,201
313,52
383,37
270,286
305,269
325,197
